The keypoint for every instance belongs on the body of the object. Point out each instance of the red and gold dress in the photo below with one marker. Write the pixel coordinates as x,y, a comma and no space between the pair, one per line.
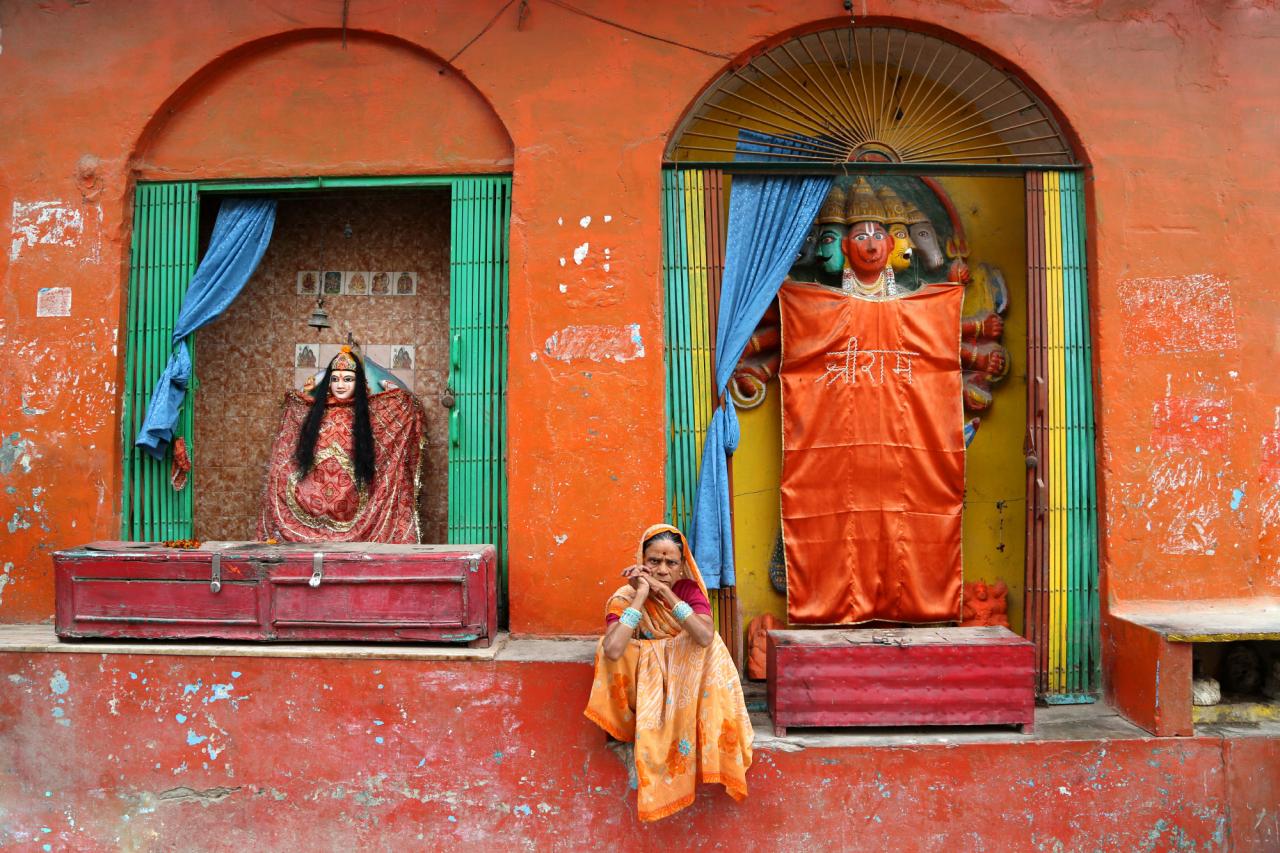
327,505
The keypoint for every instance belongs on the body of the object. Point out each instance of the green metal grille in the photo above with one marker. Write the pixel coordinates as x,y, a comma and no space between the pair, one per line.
1083,646
162,261
478,284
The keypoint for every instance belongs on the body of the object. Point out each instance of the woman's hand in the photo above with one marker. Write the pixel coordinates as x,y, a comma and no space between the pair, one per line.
661,590
633,575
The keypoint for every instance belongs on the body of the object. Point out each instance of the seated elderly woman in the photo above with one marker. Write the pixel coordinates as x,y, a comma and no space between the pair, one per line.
664,680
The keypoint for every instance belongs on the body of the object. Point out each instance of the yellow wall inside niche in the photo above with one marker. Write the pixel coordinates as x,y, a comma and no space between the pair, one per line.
994,529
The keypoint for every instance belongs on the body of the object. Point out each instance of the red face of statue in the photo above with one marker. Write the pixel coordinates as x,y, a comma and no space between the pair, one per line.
867,248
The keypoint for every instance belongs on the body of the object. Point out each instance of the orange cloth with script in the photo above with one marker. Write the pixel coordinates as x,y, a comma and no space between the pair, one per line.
873,455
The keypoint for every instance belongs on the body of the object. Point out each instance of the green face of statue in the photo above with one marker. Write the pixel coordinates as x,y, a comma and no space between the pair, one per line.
828,251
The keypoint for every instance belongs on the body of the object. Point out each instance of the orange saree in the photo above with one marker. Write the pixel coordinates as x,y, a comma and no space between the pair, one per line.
873,455
679,702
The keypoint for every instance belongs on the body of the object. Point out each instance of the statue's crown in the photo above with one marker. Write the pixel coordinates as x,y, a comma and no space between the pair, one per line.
895,209
913,214
832,209
862,205
346,359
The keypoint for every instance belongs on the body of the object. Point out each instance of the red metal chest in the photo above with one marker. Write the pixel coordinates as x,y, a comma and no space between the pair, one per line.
358,592
901,677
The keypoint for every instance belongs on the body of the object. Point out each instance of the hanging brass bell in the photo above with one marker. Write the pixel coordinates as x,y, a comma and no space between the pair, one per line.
319,318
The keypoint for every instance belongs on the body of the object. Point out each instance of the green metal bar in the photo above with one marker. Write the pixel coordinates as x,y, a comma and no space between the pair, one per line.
1078,387
489,288
504,279
668,179
325,183
189,259
731,167
164,497
155,305
1090,485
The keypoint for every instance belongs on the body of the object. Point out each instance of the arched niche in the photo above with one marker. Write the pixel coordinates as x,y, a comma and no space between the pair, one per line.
305,104
970,146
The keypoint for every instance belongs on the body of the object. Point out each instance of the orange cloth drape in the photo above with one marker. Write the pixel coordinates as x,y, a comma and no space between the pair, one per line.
680,703
873,455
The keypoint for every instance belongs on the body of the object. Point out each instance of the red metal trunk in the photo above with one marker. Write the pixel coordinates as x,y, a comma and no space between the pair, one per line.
294,591
901,677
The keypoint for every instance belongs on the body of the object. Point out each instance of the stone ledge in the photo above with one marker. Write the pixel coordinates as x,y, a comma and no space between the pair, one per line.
1207,620
40,638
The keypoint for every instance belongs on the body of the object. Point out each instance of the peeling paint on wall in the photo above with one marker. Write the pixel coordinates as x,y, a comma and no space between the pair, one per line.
596,343
1190,313
16,451
44,222
6,578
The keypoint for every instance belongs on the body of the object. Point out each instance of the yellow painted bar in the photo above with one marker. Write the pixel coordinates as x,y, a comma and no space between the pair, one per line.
699,310
1057,444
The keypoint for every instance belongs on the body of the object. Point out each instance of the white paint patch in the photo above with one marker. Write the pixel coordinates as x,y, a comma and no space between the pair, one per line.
584,221
564,288
53,302
596,343
1186,485
580,253
51,223
608,218
1187,313
563,262
6,578
560,220
561,538
606,267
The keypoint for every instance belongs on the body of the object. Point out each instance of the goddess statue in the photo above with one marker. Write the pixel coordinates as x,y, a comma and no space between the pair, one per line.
344,466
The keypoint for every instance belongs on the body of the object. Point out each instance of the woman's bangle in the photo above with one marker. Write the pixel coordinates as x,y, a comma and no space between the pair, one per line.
630,617
682,611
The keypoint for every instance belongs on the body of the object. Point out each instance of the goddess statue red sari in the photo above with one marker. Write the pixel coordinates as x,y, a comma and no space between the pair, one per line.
326,504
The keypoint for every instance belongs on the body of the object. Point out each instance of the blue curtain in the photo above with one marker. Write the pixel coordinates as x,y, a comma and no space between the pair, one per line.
768,218
240,236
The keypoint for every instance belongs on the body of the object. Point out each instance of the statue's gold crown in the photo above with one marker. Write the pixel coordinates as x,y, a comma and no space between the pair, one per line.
862,205
913,215
344,360
895,209
832,209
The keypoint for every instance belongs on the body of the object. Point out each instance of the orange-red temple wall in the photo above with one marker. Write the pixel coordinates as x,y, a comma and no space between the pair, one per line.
1171,105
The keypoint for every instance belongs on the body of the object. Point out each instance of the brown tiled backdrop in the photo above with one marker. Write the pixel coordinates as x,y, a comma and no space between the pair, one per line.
245,359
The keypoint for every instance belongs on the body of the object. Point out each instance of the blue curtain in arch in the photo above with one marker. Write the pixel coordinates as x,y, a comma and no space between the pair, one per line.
768,218
240,236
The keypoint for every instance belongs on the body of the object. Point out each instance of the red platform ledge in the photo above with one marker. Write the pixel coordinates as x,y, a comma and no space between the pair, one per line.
901,677
1149,653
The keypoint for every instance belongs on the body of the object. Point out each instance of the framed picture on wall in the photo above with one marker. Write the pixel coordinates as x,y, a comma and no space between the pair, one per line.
356,284
406,283
332,283
308,282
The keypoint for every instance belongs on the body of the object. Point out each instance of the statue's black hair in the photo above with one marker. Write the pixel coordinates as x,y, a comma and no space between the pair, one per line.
305,453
